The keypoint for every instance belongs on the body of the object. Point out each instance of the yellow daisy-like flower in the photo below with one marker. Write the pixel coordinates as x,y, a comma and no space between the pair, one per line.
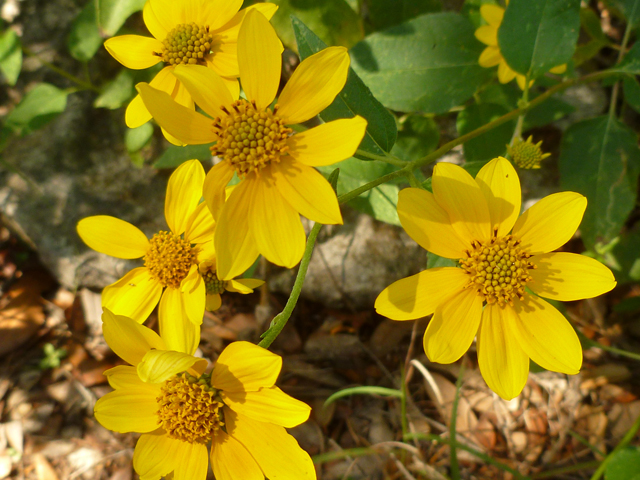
503,257
166,396
215,286
279,182
185,32
526,154
491,56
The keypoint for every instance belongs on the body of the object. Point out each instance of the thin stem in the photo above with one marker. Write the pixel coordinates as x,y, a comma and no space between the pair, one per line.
517,132
403,404
616,86
453,454
60,71
623,443
413,181
388,158
617,351
568,469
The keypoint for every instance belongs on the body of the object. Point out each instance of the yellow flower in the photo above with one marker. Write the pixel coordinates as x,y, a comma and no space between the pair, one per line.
166,396
214,24
491,56
526,154
215,286
278,183
502,258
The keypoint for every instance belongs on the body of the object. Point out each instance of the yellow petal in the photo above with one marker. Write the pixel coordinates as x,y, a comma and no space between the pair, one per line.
206,87
490,57
214,187
213,13
458,193
128,410
259,59
314,85
155,455
500,186
128,339
126,376
193,295
307,191
551,222
328,143
244,285
277,453
223,60
134,51
560,69
181,95
157,29
228,33
168,13
418,295
184,191
268,405
505,74
453,327
137,114
112,236
521,79
177,331
158,365
546,336
274,223
135,295
193,461
492,14
503,364
200,226
245,367
428,223
235,246
488,35
188,126
213,302
567,277
230,460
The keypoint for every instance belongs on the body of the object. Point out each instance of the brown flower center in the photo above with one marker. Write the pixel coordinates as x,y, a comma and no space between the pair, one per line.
169,258
250,139
212,283
498,269
187,43
189,409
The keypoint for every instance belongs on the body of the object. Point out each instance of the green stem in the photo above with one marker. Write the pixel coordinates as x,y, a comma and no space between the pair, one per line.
617,351
413,181
616,86
623,443
453,454
482,456
60,71
388,158
517,132
568,469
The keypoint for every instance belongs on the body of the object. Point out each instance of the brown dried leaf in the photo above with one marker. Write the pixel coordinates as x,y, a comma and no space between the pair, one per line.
44,470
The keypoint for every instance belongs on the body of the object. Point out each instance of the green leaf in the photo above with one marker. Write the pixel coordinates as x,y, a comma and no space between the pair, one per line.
624,257
624,465
174,156
136,138
383,14
10,56
631,11
113,13
37,108
435,261
332,20
491,144
419,137
380,202
631,62
117,92
632,93
84,39
550,110
428,64
536,36
354,99
590,21
600,159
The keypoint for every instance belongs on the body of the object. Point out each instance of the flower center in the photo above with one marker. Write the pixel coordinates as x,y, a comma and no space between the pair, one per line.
212,283
169,258
189,409
250,139
498,269
187,43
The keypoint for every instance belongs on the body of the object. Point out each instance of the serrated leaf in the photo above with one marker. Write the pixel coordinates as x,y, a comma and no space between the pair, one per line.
624,465
536,36
383,14
174,156
600,159
10,56
117,92
491,144
426,65
334,21
84,39
113,13
354,99
37,108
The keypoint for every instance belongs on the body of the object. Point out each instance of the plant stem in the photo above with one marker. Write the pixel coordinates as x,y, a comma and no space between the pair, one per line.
617,351
616,86
453,454
568,469
60,71
517,132
623,443
388,158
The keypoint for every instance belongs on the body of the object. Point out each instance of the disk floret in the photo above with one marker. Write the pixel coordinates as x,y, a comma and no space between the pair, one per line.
190,409
169,258
187,43
498,269
212,283
526,154
250,139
